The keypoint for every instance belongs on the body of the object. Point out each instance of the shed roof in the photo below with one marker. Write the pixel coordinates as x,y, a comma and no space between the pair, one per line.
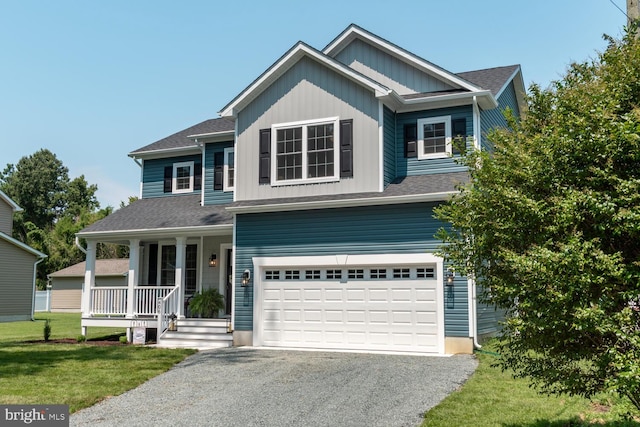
104,267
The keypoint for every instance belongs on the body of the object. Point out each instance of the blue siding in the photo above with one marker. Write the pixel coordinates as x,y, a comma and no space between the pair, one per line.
488,317
153,175
407,228
413,166
211,196
495,118
389,137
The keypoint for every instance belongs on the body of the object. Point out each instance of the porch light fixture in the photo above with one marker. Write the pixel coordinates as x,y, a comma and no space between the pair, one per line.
213,260
246,278
450,277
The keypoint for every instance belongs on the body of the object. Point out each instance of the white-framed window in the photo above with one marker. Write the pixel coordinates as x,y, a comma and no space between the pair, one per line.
434,137
305,151
183,174
229,181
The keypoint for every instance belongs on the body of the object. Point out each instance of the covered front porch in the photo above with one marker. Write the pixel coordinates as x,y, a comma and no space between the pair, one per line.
164,274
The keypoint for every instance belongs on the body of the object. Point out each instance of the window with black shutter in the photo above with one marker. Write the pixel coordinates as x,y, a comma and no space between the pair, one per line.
265,156
411,140
168,178
218,171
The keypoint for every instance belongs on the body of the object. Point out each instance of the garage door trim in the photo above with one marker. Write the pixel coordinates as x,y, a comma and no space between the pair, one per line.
345,261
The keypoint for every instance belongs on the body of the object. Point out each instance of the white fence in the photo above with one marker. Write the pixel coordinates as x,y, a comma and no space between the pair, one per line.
43,301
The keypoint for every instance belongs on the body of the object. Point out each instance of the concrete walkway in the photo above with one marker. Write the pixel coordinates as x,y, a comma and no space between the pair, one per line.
254,387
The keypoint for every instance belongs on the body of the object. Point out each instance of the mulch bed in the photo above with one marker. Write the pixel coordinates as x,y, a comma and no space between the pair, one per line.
75,341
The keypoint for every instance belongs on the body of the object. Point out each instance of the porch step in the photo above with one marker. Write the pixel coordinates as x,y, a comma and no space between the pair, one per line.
198,333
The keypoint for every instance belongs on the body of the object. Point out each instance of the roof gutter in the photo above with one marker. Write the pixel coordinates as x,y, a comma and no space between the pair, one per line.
33,294
327,204
206,230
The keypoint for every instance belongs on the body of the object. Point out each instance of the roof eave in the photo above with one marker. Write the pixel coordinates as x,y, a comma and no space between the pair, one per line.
330,204
485,99
285,63
14,206
190,149
195,231
22,246
353,31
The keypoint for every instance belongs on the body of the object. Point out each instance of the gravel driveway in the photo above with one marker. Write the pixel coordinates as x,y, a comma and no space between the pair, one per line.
256,387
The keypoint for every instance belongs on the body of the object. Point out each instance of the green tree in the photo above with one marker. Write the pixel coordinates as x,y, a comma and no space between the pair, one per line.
37,183
549,225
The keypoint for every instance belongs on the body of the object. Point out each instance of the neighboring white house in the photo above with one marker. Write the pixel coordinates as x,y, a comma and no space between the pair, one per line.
18,263
66,284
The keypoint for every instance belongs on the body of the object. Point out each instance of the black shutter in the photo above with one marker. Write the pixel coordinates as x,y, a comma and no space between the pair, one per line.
197,177
459,133
264,167
218,171
168,178
411,140
346,148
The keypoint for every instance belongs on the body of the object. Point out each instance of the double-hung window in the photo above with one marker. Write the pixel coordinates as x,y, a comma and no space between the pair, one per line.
305,151
434,137
229,171
183,177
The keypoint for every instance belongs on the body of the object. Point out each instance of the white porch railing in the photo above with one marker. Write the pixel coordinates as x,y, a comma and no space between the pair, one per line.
146,298
112,300
109,300
166,306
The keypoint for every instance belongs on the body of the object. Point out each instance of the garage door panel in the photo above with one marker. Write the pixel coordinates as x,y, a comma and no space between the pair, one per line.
367,313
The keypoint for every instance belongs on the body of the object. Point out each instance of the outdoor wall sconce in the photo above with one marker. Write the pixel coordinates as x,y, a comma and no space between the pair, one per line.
246,278
450,277
213,260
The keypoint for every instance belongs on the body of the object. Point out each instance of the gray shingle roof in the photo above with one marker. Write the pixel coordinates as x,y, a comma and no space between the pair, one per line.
180,140
104,267
403,186
163,212
185,211
492,79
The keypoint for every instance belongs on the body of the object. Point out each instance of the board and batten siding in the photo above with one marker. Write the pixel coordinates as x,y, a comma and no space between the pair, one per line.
389,138
405,228
414,166
309,91
16,282
153,175
211,196
491,119
6,218
389,70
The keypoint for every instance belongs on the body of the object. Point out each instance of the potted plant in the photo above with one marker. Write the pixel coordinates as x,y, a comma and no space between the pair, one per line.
207,303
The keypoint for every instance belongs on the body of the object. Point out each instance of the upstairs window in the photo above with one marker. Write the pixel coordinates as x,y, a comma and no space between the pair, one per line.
182,177
229,171
306,152
434,137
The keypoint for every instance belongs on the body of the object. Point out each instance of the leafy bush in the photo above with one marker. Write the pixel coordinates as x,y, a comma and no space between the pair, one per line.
207,303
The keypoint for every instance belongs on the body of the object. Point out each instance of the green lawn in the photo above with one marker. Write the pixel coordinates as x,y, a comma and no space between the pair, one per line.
494,398
78,375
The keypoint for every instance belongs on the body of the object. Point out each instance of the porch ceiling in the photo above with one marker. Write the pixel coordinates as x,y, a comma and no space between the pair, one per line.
162,216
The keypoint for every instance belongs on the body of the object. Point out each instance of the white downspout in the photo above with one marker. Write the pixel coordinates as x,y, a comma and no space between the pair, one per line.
472,282
33,294
474,313
83,250
141,177
201,172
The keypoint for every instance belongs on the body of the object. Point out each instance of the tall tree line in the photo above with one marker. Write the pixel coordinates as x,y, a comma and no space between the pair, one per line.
55,208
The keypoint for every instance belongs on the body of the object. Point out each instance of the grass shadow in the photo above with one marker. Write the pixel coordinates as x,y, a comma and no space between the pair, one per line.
576,422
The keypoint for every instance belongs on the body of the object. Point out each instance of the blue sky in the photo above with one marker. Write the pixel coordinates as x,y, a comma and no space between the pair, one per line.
92,81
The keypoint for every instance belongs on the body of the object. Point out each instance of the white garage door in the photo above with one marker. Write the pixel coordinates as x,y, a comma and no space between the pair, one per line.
391,308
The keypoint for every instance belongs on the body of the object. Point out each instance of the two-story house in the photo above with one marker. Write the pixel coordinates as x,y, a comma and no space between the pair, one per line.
309,205
18,263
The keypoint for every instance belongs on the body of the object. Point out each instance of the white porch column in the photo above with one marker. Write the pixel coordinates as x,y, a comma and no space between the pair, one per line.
181,244
89,278
134,265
